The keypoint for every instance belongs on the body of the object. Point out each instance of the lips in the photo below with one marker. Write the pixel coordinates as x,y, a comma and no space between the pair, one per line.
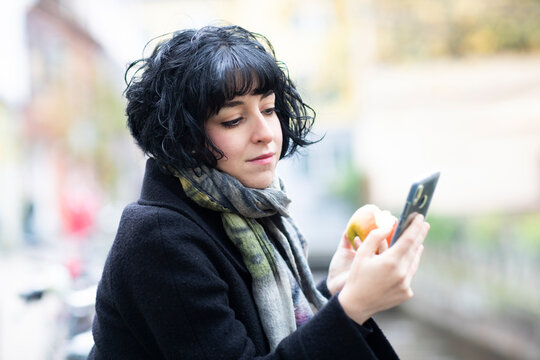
265,158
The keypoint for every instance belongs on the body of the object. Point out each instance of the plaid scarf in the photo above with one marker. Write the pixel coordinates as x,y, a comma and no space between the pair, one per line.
283,286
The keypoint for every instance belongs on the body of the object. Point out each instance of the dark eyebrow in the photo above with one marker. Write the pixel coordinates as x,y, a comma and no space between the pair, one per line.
234,103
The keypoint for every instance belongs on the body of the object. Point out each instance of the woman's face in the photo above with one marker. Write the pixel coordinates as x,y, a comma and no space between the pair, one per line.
247,131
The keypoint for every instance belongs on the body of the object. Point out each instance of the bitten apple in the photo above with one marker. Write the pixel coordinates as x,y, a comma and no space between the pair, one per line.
367,218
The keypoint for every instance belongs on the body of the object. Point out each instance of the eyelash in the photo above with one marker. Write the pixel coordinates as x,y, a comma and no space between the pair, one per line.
231,124
236,122
269,111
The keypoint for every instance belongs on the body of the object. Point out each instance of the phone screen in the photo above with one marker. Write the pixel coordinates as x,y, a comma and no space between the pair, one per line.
417,202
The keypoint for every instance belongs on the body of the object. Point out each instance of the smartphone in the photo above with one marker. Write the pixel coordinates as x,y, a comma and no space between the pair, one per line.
417,202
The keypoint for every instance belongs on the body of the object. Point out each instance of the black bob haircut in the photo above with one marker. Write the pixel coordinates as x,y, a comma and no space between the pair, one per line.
190,76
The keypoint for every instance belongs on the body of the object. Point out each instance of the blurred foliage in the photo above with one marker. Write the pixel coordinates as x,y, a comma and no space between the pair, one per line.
413,29
444,230
486,266
488,232
349,185
484,231
527,230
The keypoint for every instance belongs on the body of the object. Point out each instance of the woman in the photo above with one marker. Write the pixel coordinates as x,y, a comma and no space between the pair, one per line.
208,264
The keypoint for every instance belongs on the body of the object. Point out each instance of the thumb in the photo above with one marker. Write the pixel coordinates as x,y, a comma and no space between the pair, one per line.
345,243
373,241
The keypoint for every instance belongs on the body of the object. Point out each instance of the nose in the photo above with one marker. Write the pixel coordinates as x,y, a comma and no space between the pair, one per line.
262,130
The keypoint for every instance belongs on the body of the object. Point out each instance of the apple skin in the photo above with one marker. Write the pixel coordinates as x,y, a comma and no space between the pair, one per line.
367,218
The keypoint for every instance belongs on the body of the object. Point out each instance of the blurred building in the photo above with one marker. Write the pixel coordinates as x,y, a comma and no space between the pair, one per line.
476,120
454,88
10,225
13,92
73,150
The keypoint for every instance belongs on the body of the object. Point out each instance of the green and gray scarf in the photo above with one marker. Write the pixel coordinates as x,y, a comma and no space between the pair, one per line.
283,287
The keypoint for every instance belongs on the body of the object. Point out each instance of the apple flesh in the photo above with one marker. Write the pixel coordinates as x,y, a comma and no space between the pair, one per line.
367,218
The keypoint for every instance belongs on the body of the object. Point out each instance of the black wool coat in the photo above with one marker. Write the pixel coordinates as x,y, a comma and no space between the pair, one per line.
175,287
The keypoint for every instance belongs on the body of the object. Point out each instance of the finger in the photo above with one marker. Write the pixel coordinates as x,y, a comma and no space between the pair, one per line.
416,250
345,243
425,230
383,246
415,264
408,244
373,241
416,226
421,236
407,240
357,242
420,248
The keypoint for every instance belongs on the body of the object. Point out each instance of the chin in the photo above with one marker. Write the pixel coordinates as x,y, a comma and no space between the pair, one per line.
260,183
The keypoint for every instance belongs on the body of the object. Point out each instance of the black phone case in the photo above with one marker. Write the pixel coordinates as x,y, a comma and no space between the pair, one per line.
417,202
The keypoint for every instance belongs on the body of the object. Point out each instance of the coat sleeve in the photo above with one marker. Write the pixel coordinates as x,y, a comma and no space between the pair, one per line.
163,296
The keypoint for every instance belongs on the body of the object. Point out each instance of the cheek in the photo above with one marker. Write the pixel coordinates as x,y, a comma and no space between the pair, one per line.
218,138
230,147
278,137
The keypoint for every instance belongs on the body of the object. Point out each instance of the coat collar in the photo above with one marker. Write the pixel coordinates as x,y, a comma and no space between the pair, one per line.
164,190
160,188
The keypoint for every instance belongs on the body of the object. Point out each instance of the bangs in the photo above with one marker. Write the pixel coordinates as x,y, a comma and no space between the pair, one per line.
243,71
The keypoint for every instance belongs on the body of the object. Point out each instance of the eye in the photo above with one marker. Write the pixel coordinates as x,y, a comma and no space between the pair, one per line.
269,111
231,123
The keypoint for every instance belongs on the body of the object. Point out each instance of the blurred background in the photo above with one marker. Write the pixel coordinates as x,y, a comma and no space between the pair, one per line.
401,88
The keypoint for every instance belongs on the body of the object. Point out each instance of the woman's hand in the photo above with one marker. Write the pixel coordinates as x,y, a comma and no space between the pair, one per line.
377,282
338,272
